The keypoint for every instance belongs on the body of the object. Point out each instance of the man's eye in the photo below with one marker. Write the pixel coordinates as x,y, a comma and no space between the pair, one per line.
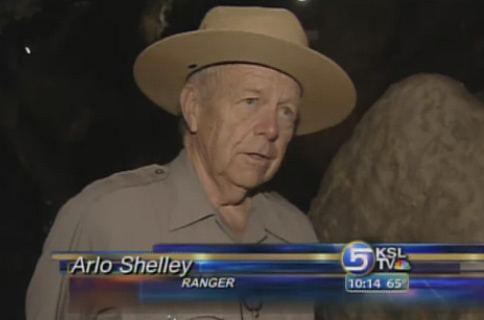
287,112
251,101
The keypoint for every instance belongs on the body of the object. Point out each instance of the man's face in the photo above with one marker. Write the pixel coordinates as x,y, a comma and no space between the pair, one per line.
246,123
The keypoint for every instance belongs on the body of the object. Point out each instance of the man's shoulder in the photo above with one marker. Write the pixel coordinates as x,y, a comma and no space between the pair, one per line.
127,179
287,214
124,181
118,188
107,210
285,210
277,199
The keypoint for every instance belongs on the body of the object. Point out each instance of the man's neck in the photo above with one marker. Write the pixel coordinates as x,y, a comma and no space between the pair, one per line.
231,201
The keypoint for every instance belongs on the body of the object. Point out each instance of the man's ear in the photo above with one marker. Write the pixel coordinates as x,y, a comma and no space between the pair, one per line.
190,107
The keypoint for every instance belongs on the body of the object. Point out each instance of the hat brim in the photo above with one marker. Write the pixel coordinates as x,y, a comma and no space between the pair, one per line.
328,93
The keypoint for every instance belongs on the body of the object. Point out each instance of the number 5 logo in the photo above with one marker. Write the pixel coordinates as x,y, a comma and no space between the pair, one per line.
358,258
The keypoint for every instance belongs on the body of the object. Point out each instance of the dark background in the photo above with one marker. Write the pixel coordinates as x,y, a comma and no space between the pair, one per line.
70,112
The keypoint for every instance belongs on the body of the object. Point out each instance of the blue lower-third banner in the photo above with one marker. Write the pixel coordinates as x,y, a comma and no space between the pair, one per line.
356,272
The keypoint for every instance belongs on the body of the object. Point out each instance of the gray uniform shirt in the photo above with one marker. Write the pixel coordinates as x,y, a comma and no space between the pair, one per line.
132,211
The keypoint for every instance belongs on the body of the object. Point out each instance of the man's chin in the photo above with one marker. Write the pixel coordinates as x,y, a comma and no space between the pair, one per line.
249,182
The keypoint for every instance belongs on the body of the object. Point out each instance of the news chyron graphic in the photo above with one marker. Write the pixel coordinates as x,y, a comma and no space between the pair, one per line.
375,269
358,258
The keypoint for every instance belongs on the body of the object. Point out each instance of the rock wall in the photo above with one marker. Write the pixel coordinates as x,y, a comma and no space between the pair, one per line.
413,171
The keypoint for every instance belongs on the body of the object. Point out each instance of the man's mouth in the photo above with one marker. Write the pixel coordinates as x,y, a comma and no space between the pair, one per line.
258,158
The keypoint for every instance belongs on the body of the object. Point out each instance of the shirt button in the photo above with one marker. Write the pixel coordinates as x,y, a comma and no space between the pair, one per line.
159,171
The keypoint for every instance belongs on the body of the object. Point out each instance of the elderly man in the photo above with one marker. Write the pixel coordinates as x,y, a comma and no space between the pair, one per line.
246,82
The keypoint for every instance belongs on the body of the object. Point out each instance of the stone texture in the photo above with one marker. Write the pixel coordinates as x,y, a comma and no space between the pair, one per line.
413,171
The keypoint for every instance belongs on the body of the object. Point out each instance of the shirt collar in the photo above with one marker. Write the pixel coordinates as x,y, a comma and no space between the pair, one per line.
192,204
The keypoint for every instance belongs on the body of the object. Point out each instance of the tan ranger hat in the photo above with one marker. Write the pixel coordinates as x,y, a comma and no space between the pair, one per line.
263,36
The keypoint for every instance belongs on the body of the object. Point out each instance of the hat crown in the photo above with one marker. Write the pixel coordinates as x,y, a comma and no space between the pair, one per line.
273,22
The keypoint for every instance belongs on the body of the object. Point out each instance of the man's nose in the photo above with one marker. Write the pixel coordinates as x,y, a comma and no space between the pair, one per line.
268,125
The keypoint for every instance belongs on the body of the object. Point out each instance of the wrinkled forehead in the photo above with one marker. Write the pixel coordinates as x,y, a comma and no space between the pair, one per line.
242,74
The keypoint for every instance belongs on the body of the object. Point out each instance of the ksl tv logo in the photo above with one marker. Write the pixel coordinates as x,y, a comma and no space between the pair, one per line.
359,259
